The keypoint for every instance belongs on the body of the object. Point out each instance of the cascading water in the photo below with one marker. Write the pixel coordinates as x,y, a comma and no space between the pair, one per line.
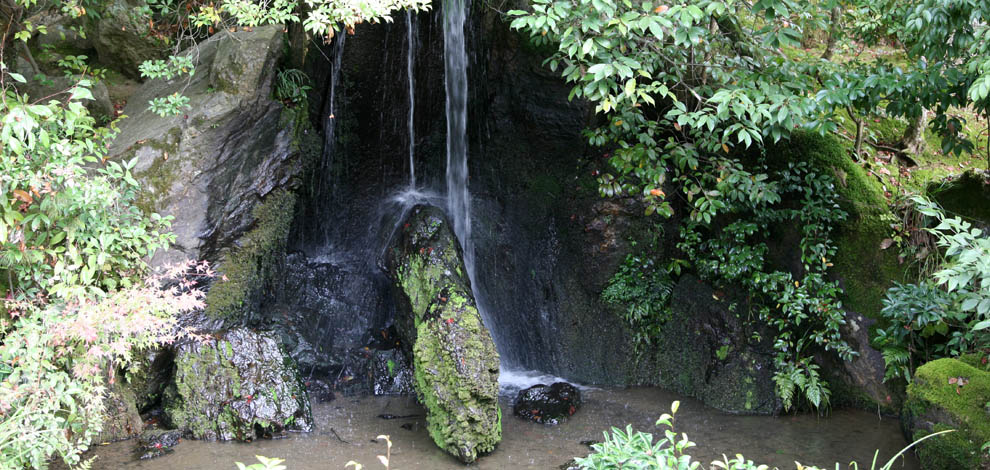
455,79
458,195
410,62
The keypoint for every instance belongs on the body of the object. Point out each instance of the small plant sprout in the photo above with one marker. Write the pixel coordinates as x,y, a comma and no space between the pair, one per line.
265,463
384,459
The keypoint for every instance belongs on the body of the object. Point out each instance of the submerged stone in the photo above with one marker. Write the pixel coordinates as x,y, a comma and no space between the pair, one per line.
454,359
547,404
239,384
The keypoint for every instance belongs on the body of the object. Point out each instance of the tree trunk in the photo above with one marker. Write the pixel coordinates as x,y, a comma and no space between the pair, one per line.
833,33
913,141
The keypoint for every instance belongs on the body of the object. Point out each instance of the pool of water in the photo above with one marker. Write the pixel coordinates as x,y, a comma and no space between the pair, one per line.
346,428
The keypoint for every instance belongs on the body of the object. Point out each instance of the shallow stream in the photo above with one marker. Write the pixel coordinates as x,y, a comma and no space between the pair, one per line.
346,428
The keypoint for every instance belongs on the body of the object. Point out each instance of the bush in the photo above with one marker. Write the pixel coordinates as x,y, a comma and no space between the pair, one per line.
56,360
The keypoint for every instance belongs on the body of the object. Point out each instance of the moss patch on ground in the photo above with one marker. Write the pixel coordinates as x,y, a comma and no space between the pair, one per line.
864,269
936,401
249,266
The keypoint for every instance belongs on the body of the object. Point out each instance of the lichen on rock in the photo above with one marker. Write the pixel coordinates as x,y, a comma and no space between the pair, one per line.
237,385
455,363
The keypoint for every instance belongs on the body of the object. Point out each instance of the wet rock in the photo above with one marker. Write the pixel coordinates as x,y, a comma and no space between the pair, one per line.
156,443
323,314
707,352
391,373
949,394
149,376
122,419
454,359
212,164
547,404
123,41
239,384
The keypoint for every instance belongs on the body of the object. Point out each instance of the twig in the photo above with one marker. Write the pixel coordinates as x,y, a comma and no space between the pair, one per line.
334,431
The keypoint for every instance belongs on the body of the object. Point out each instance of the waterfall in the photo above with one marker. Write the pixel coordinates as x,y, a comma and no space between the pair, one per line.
458,196
410,61
455,79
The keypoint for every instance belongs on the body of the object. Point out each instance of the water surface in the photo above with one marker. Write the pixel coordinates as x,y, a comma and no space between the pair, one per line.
345,430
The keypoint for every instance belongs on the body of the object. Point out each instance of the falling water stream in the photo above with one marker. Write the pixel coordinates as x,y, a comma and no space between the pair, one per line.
410,62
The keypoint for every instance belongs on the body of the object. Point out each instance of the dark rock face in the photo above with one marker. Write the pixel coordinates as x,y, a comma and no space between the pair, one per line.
707,352
238,385
124,42
547,404
454,359
156,443
122,418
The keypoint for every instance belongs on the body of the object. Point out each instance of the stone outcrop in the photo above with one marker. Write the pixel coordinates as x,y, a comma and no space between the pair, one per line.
123,41
209,166
455,364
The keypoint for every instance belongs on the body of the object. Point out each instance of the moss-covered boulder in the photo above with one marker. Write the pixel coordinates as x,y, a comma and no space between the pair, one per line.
455,363
237,385
949,394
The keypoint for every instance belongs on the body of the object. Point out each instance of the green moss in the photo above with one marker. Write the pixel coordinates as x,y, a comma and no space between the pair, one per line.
887,130
934,397
248,267
865,270
160,177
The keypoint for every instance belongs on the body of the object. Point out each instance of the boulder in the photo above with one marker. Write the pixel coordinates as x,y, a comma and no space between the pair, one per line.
547,404
123,38
156,443
455,363
211,165
949,394
238,384
122,420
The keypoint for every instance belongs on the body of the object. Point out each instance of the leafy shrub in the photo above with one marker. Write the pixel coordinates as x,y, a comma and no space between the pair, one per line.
945,316
68,223
76,300
923,324
644,289
625,449
291,86
56,359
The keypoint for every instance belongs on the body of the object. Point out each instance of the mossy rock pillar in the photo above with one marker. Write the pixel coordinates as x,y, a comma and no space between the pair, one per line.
454,359
950,394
